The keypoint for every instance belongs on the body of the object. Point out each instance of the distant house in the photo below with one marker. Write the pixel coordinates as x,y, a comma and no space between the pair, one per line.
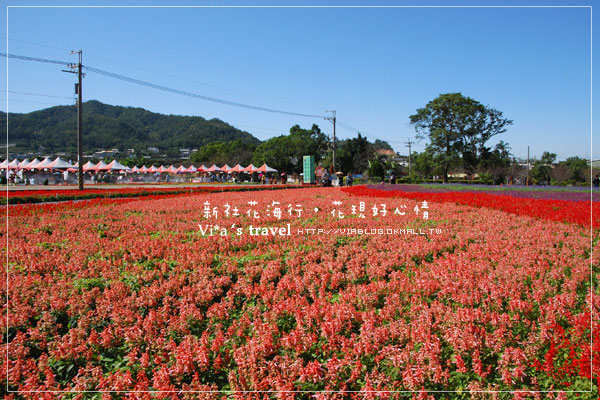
152,149
106,153
184,154
594,163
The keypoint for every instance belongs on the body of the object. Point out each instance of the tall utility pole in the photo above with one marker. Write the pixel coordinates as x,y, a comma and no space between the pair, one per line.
408,144
76,69
332,119
527,166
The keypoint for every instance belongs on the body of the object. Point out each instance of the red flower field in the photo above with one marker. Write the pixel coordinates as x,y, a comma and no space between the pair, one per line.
140,298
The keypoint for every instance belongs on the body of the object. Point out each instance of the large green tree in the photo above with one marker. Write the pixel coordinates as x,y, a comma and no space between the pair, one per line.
542,168
578,167
458,128
424,164
496,162
353,155
285,153
232,153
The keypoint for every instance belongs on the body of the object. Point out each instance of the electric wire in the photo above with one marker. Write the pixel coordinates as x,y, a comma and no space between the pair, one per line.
37,102
189,94
153,72
195,95
37,94
164,88
36,59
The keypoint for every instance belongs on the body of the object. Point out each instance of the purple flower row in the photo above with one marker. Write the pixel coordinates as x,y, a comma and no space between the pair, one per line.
577,194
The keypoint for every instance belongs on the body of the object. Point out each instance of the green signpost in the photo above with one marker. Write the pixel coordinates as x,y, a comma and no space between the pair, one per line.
309,169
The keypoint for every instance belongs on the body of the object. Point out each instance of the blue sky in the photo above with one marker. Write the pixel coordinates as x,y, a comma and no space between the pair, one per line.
374,66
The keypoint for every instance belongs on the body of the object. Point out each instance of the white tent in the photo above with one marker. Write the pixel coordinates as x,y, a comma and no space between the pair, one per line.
250,168
45,163
101,166
74,169
213,168
59,163
114,165
23,163
266,168
32,164
89,166
14,164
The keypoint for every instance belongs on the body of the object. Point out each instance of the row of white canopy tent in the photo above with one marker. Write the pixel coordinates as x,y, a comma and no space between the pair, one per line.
58,164
62,165
192,169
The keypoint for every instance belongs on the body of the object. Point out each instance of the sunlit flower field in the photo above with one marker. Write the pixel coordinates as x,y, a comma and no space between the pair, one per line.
167,297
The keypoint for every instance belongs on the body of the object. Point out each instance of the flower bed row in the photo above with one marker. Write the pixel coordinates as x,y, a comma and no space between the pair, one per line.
539,192
40,196
553,210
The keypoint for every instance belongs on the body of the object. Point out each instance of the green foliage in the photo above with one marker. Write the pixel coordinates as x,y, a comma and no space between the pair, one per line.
376,168
285,153
458,128
85,284
578,167
381,167
424,164
132,161
286,322
542,168
106,126
381,144
486,178
232,153
353,155
494,164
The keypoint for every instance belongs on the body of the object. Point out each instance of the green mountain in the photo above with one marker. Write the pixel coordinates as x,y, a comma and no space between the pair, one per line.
105,126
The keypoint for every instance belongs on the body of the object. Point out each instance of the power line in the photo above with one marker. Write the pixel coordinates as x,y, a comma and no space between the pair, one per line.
189,94
152,71
31,101
195,95
355,130
36,59
33,43
366,134
37,94
260,127
164,88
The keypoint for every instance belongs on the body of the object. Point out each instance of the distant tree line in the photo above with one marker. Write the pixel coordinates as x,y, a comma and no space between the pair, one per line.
459,128
285,153
106,126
